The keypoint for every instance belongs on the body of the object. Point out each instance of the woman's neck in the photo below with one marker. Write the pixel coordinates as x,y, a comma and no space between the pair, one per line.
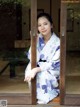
46,38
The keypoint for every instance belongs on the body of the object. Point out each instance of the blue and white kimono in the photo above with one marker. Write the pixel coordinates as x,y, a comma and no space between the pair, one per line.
48,59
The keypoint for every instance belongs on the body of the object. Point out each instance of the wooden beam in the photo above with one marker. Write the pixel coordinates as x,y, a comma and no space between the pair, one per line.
63,16
33,45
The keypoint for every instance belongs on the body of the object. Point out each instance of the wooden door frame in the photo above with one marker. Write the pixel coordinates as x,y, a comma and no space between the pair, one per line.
65,99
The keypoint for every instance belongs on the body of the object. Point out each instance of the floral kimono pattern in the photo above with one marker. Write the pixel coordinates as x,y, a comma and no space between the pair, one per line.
48,59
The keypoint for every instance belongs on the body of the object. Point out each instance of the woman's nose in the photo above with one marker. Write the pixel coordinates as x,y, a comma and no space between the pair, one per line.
42,27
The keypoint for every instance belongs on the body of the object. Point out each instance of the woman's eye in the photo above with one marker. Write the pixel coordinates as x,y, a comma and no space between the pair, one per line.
42,24
45,23
39,25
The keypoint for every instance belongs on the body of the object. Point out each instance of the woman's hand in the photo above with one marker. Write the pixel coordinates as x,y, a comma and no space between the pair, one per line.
31,74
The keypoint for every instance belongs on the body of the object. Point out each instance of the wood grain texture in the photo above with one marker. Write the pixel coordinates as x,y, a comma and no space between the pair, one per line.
33,46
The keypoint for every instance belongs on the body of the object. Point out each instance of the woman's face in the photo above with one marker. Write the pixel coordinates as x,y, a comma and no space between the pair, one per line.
44,26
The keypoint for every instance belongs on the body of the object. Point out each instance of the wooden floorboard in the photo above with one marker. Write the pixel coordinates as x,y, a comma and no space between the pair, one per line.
46,105
36,106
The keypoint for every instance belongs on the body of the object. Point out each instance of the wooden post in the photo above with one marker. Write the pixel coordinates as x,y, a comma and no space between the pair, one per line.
33,46
63,50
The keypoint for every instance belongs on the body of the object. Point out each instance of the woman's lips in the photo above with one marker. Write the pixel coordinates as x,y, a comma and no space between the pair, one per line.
44,31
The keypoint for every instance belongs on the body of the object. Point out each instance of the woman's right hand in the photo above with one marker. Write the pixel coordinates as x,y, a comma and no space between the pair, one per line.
31,74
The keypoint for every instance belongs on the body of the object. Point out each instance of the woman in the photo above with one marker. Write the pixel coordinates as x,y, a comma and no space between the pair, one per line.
48,61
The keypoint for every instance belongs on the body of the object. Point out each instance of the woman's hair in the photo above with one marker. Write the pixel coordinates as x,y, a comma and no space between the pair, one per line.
47,16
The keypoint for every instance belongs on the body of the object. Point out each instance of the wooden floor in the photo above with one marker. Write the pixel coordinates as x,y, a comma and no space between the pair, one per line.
39,106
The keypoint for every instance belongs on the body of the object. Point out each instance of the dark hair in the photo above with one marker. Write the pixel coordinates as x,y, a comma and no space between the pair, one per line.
46,15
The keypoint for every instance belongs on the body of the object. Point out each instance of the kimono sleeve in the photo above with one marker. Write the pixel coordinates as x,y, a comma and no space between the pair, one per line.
29,54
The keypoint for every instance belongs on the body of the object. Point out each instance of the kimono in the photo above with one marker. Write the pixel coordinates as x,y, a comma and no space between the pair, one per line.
48,59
